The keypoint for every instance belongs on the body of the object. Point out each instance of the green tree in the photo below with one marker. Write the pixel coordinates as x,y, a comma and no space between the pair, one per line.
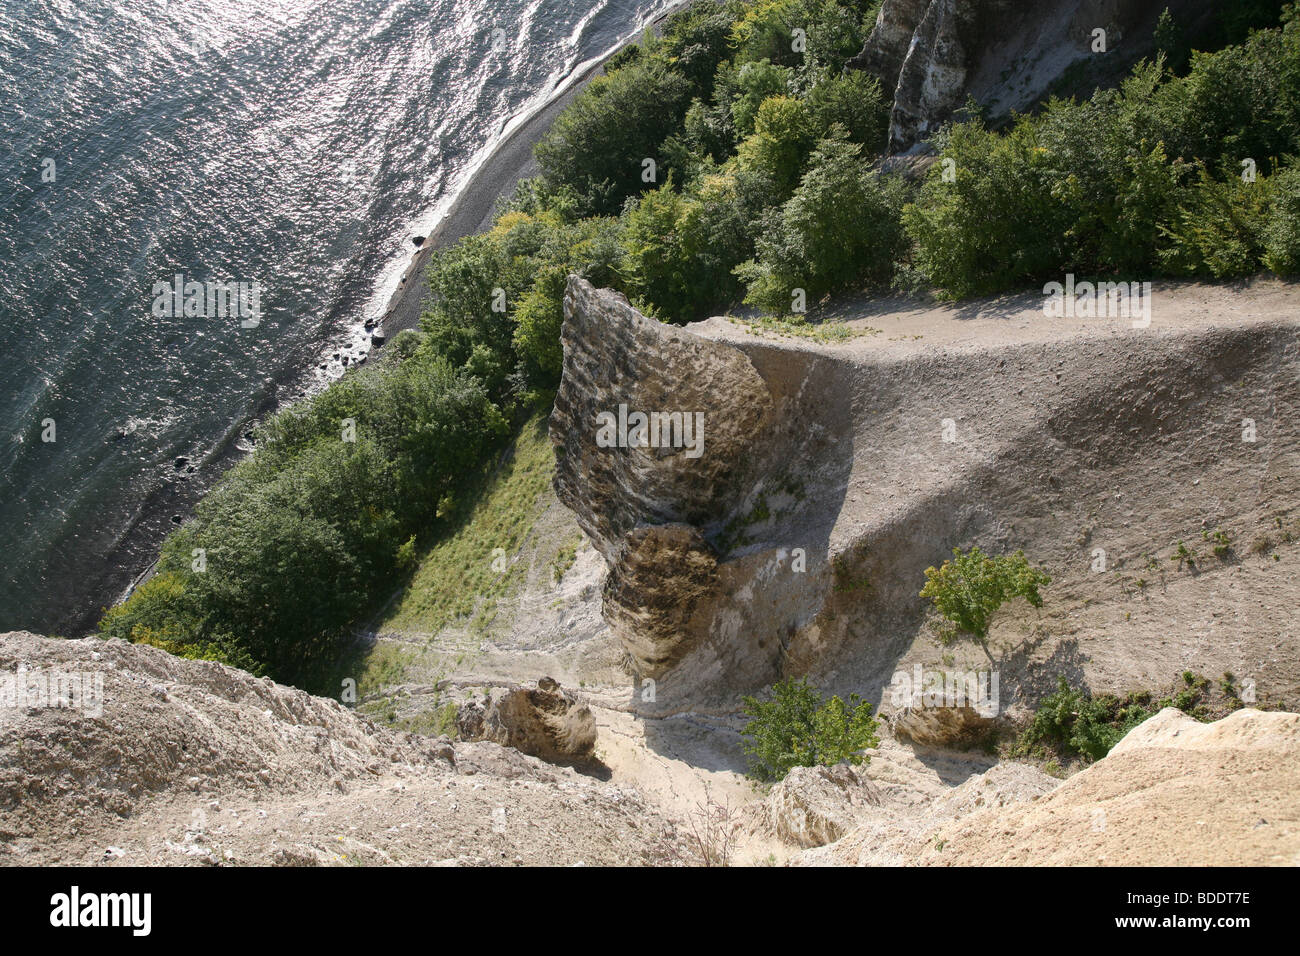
970,588
1171,42
597,146
853,100
840,229
695,41
796,727
661,266
783,137
754,84
831,31
837,30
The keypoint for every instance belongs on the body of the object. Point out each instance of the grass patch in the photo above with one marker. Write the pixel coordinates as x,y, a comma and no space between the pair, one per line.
465,574
434,722
799,327
385,665
564,558
849,576
736,532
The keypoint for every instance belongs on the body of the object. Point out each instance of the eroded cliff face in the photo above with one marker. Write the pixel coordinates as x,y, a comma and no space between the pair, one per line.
922,50
674,523
614,356
151,759
645,491
1006,54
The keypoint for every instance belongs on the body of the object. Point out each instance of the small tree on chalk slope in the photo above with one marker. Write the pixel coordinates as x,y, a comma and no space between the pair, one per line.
968,589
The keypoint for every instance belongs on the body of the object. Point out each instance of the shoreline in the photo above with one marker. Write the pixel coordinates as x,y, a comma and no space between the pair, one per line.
474,208
471,211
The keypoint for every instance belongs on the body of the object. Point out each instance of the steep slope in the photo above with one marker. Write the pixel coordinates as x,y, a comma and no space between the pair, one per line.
177,761
191,763
1069,437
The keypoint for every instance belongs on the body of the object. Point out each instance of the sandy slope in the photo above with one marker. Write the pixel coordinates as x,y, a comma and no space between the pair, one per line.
1071,437
1173,792
194,762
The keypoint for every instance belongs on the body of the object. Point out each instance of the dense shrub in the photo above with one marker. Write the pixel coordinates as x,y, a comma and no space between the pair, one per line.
752,85
1237,19
1281,229
406,342
1146,179
1171,42
995,225
840,229
299,538
1074,724
709,131
496,299
1236,103
597,146
695,41
796,727
1073,189
1112,185
732,205
837,30
765,31
1218,231
537,327
466,323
